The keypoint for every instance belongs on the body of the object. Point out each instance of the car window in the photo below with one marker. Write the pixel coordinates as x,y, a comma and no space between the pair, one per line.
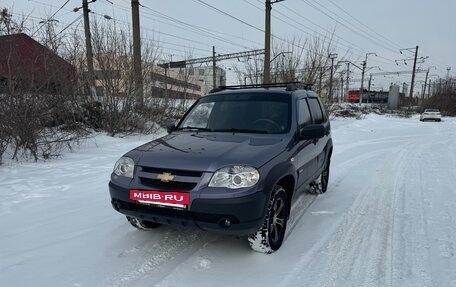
199,116
316,111
303,113
256,113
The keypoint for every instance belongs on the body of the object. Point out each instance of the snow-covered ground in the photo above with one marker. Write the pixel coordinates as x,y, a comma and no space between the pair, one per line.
388,219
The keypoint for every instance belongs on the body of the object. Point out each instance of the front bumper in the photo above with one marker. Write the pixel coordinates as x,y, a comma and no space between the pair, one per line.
431,117
244,214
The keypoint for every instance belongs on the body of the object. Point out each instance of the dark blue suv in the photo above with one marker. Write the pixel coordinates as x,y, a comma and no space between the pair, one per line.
233,164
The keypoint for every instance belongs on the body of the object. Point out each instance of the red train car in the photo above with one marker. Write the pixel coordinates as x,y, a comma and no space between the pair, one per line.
353,96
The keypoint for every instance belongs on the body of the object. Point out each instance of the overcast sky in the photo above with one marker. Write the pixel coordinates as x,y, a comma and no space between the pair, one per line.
361,26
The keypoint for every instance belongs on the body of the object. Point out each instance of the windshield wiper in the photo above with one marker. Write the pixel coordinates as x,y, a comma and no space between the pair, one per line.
233,130
198,129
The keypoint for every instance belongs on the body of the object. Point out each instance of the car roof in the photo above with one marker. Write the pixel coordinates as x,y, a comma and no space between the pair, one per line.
281,88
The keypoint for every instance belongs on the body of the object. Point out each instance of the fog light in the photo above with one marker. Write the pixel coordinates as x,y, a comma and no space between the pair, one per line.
224,222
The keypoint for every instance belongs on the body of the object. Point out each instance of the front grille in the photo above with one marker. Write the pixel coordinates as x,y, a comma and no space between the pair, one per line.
172,185
176,172
184,180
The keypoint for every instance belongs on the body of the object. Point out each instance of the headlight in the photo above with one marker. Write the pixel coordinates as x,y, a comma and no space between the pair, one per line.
124,167
236,176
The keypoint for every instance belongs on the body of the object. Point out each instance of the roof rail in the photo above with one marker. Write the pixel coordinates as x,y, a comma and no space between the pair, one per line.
290,86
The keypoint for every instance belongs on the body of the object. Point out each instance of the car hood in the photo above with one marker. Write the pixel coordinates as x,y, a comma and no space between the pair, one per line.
208,151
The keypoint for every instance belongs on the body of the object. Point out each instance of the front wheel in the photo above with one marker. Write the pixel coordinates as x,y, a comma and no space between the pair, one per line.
320,184
270,235
142,224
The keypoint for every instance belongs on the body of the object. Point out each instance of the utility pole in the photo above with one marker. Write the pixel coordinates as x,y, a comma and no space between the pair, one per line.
413,73
267,44
267,41
348,77
370,81
361,90
332,57
89,52
362,77
425,82
214,67
341,88
137,69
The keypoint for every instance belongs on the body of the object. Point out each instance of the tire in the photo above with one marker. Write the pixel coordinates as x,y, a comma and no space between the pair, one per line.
142,224
269,237
320,184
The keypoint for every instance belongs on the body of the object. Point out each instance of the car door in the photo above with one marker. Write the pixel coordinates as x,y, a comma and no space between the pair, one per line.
319,117
306,153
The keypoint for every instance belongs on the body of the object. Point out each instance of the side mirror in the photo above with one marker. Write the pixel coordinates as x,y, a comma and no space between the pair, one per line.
312,132
171,128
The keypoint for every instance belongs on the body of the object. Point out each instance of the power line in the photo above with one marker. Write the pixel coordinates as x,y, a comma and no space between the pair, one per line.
355,18
229,15
69,25
196,29
349,46
50,18
201,32
239,41
300,15
245,23
346,26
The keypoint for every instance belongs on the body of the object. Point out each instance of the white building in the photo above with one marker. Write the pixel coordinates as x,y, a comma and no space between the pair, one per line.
204,75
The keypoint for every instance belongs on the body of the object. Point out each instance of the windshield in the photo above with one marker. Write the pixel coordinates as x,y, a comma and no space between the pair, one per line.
257,113
431,111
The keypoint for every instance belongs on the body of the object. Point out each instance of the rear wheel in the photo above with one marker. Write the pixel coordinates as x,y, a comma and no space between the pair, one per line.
320,184
142,224
269,236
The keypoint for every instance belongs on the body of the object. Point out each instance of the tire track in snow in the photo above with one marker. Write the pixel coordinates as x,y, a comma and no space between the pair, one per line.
348,240
425,247
382,147
359,250
409,253
363,240
159,258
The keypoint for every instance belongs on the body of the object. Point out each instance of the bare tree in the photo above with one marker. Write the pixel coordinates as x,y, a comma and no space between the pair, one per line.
288,60
37,117
47,35
164,95
297,59
443,97
5,132
304,60
250,72
10,25
172,92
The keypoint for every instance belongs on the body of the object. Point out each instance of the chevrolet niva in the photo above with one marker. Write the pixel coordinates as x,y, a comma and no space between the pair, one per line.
233,164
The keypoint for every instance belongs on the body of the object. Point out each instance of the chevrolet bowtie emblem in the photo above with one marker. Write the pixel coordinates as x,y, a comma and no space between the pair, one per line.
165,177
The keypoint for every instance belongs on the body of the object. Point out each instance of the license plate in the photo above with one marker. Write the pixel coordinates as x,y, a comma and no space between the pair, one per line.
167,198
